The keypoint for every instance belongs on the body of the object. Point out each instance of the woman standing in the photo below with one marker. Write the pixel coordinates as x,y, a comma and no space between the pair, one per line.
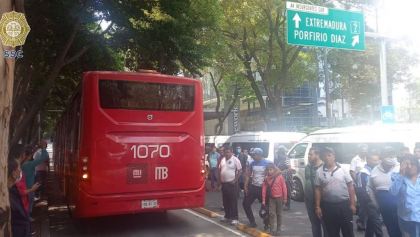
406,186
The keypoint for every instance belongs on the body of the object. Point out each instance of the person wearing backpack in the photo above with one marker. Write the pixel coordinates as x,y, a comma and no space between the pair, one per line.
274,194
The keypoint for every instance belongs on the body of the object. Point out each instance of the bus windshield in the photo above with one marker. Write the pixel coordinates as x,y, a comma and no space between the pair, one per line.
135,95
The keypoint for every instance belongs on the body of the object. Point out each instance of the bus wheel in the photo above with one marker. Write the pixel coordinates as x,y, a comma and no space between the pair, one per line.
297,190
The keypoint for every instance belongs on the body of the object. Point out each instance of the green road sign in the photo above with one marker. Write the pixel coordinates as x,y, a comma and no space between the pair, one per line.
311,25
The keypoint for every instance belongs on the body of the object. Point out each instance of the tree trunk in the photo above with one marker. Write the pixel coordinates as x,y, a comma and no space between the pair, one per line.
6,95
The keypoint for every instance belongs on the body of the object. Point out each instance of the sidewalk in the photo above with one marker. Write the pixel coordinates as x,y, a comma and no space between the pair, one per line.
41,225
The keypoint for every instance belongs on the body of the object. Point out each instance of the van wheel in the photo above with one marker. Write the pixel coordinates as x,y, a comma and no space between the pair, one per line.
297,190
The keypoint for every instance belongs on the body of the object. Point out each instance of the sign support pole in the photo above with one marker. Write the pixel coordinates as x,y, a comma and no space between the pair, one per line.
384,81
327,86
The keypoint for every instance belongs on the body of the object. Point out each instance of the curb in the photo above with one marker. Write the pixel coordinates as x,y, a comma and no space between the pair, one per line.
252,231
206,212
242,227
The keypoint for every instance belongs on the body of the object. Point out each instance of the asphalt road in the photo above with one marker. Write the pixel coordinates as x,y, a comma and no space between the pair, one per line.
172,223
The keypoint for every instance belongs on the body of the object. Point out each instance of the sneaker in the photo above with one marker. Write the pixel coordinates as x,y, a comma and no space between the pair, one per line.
225,220
234,222
36,199
252,225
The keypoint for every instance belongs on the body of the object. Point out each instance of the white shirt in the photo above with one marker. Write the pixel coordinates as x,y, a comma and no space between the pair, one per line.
357,164
333,184
43,165
381,180
228,169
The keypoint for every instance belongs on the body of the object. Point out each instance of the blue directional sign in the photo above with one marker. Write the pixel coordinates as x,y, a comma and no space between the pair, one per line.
388,114
311,25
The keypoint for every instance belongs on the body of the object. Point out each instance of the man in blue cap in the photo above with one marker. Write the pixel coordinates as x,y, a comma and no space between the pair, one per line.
254,178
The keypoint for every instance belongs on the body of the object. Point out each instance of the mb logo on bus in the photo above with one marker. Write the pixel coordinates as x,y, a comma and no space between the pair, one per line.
161,173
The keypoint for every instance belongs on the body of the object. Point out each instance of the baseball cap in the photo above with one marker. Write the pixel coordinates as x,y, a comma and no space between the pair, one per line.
257,151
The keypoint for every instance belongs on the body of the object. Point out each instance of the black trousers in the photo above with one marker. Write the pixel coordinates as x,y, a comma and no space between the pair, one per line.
338,217
230,200
362,203
254,192
318,225
41,177
374,223
289,186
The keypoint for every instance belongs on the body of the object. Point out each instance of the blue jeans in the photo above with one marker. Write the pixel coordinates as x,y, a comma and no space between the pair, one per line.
410,228
213,177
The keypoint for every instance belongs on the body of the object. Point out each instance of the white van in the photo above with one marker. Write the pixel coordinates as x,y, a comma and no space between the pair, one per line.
345,142
217,141
267,141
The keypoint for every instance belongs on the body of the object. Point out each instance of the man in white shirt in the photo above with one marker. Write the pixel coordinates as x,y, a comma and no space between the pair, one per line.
230,169
334,196
356,165
359,161
378,190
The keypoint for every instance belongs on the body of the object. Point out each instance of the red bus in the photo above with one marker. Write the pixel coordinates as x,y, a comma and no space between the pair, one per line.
131,142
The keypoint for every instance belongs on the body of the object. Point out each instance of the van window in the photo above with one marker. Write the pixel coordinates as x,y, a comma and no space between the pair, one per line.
298,151
248,145
344,152
287,145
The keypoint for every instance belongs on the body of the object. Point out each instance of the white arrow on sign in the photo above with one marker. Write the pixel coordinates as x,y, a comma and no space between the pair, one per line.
297,20
355,41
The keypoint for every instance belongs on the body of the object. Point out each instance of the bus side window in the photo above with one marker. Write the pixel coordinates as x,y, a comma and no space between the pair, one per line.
298,151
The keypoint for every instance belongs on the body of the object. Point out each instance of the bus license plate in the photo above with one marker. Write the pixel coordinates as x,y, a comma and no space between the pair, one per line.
149,204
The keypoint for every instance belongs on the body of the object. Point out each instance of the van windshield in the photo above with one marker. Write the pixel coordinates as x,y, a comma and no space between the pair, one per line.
248,145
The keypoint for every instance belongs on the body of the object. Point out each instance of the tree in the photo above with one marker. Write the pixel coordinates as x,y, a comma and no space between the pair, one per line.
7,68
161,35
356,75
255,33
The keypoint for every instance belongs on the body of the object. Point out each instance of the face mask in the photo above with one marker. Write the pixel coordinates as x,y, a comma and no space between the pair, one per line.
390,161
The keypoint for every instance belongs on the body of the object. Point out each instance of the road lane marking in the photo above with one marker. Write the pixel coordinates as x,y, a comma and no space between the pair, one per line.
214,222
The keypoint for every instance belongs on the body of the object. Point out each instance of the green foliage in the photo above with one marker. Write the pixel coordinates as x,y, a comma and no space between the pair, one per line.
168,36
356,75
253,31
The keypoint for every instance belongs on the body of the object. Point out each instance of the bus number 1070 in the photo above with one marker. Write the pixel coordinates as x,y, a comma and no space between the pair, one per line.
150,151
